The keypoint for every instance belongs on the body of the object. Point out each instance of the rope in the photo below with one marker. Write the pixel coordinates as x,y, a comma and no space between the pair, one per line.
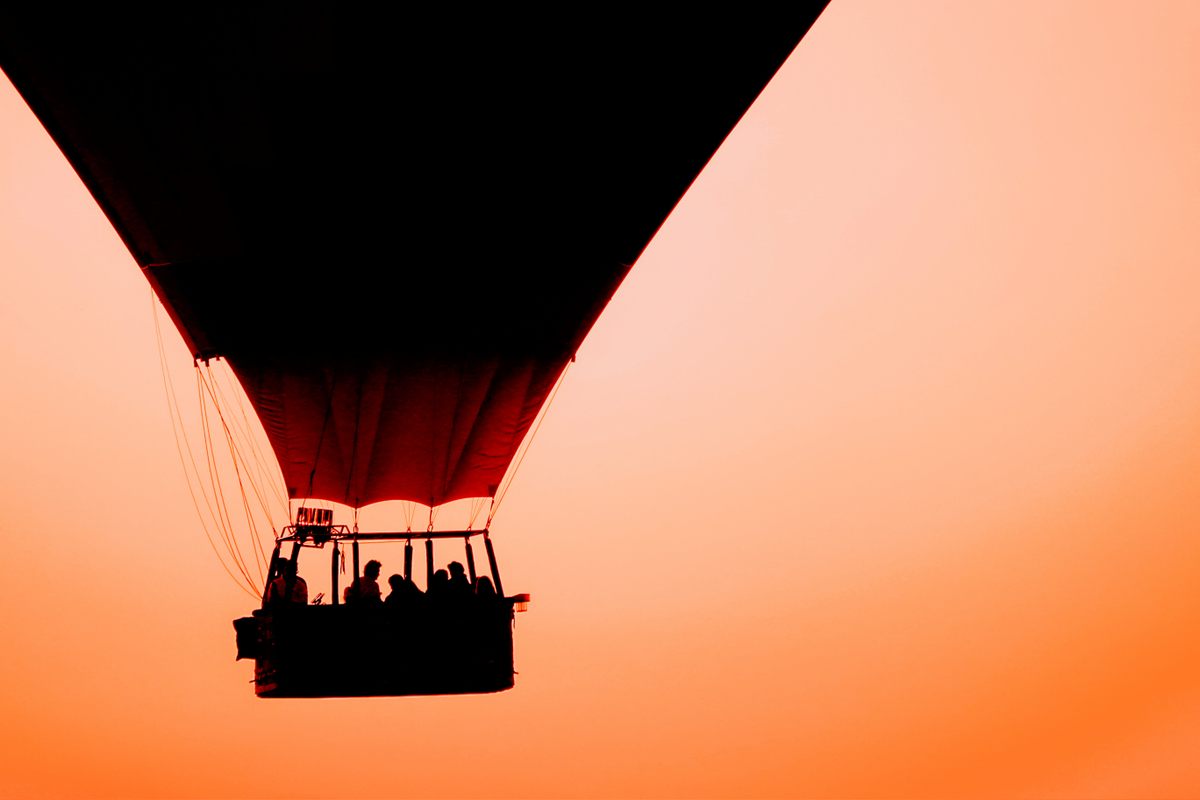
177,431
476,507
512,473
257,452
235,452
242,441
260,557
219,492
275,482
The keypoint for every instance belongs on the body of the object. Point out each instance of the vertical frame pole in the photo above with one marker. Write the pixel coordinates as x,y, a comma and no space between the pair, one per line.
470,561
333,573
491,554
408,560
354,549
428,564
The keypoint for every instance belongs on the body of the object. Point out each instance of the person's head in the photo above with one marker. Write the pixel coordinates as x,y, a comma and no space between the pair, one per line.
441,577
456,570
396,582
484,588
286,566
372,569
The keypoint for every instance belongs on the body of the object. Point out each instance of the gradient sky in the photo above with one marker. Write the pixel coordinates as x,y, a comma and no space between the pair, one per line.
877,478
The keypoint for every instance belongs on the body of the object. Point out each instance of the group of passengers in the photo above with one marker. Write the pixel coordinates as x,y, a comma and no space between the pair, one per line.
449,585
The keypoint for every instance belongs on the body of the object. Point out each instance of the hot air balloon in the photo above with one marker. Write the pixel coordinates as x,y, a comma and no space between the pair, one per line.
396,228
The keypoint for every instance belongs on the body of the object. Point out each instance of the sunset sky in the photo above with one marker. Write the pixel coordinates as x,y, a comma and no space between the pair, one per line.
878,477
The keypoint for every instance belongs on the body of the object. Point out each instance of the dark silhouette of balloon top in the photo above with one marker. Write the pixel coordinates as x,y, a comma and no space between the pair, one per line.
397,227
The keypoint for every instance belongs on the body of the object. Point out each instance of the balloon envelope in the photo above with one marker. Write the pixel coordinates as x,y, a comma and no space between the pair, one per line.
397,229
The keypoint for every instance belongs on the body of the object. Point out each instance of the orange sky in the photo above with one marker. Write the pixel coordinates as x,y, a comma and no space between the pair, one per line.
877,478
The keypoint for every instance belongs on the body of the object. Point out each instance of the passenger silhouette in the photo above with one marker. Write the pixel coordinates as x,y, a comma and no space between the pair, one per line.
484,589
403,591
458,586
396,595
288,588
365,590
440,585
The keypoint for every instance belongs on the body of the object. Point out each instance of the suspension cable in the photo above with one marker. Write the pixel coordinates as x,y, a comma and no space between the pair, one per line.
476,507
273,481
512,472
234,450
215,477
180,433
260,557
